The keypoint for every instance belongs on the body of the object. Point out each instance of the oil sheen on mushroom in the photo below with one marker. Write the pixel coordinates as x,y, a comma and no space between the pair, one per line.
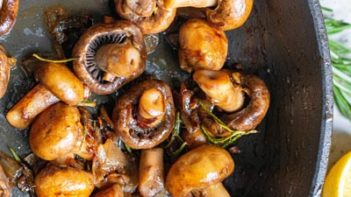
150,15
109,56
202,46
144,116
5,69
8,15
199,169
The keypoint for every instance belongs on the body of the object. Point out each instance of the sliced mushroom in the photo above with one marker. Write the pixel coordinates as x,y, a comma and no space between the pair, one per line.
57,134
199,169
57,83
240,117
201,46
151,178
109,56
8,15
150,15
53,181
5,69
144,116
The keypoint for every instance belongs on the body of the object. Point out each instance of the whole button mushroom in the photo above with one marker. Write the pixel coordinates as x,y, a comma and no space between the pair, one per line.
144,116
56,82
226,14
109,56
113,191
53,181
150,15
57,134
8,15
199,169
227,91
201,46
5,70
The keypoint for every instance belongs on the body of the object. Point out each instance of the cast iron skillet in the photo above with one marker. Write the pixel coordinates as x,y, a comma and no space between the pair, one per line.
284,42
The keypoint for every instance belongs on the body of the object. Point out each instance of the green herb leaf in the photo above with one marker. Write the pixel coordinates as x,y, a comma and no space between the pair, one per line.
15,155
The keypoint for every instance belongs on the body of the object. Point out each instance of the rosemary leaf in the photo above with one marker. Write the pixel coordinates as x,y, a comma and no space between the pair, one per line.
15,155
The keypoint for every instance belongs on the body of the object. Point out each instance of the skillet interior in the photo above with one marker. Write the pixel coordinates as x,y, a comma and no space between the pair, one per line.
281,42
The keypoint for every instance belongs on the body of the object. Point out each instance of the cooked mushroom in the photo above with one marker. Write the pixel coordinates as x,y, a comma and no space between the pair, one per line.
53,181
151,178
215,190
144,116
114,191
5,188
8,15
199,169
57,83
201,46
216,84
57,134
109,56
5,69
227,14
150,15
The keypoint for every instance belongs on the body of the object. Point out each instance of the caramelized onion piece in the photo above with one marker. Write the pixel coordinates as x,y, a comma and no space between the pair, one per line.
138,132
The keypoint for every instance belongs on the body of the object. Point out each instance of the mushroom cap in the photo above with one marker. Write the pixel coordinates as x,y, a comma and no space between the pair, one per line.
160,19
61,81
56,132
5,71
55,181
8,15
133,132
198,169
96,36
230,14
201,46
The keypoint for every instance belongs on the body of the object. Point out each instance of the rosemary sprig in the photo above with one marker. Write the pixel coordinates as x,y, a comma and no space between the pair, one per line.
15,155
341,65
175,133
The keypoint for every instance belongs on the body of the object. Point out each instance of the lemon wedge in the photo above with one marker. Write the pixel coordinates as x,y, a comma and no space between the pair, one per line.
338,181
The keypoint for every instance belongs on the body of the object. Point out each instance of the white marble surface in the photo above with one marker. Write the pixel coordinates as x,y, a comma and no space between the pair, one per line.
341,139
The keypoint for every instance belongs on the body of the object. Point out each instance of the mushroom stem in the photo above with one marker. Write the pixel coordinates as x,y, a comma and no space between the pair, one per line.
190,3
152,107
119,60
220,88
151,178
217,190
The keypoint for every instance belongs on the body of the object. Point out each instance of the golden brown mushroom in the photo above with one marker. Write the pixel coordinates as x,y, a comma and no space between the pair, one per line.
109,56
53,181
57,134
114,191
5,188
199,169
226,14
151,178
144,116
150,15
5,69
201,46
226,90
8,15
57,83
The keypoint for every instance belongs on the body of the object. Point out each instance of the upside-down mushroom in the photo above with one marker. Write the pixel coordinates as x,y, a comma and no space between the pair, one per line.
109,56
199,169
151,178
5,69
144,116
53,181
56,82
201,46
227,91
225,14
8,15
150,15
57,134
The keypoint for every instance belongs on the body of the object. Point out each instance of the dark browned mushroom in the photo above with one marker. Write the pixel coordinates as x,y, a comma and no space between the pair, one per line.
57,83
226,90
8,15
5,188
227,14
5,70
109,56
200,168
201,46
144,116
150,15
